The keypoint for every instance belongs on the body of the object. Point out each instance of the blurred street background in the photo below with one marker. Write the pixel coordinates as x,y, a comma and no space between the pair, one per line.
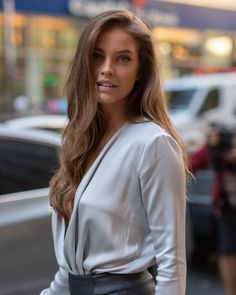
196,40
38,39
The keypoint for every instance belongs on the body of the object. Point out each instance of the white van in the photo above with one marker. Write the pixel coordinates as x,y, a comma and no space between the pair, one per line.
196,101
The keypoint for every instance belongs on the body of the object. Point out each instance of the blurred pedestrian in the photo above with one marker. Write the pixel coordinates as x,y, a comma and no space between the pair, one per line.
220,153
119,195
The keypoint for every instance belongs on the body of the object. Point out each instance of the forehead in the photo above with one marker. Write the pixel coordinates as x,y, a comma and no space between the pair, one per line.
116,39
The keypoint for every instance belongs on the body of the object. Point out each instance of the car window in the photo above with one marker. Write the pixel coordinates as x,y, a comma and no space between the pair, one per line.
212,101
179,99
25,165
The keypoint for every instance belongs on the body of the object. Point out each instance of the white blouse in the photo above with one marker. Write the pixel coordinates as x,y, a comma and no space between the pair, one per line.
129,212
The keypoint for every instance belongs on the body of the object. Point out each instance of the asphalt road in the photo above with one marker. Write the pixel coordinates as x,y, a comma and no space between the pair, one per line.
27,260
203,279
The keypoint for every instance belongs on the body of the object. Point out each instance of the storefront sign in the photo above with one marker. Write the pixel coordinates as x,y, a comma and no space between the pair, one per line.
89,8
162,13
162,17
219,4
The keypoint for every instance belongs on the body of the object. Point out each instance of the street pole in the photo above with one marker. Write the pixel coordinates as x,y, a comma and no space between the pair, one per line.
9,50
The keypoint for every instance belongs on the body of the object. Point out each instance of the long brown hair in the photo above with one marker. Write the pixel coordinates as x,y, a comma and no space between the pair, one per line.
84,128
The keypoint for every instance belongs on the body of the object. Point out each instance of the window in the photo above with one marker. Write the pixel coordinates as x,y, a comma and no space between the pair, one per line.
179,100
212,101
25,165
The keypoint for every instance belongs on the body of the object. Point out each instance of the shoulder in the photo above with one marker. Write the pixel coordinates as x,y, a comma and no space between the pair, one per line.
145,131
158,149
149,138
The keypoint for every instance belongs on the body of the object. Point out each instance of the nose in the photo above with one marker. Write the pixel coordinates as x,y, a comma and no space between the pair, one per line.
107,68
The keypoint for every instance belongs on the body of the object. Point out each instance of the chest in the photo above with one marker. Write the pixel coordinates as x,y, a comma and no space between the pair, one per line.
114,185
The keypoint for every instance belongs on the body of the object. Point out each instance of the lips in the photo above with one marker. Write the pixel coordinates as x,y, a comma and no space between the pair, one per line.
103,83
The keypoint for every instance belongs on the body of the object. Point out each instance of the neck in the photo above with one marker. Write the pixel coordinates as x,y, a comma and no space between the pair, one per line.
114,117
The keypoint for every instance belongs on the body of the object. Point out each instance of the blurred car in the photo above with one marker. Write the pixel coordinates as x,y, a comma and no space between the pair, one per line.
51,122
196,101
27,161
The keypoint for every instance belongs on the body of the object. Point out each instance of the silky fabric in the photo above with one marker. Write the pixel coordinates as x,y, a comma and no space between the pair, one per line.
112,284
129,213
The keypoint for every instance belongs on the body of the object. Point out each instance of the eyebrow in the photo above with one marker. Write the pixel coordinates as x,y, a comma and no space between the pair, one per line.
118,52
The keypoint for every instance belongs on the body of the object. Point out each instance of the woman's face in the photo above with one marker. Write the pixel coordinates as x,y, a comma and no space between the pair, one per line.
213,138
115,66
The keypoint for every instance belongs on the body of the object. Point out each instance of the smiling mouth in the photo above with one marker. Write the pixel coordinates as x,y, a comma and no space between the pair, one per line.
105,84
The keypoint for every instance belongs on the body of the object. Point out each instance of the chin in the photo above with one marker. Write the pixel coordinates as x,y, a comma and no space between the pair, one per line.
106,100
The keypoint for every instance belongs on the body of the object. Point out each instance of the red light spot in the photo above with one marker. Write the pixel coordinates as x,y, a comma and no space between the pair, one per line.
139,3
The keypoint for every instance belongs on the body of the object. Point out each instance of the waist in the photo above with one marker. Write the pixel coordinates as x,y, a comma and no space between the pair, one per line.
101,283
112,277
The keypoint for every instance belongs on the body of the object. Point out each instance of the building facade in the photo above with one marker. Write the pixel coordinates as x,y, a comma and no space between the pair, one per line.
38,39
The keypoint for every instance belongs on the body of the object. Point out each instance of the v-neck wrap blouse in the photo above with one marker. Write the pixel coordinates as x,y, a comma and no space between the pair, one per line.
129,212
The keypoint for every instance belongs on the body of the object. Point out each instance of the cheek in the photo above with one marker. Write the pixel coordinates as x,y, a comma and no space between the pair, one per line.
129,84
131,76
94,71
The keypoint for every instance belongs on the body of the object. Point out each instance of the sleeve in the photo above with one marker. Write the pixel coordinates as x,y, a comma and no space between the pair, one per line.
162,182
59,286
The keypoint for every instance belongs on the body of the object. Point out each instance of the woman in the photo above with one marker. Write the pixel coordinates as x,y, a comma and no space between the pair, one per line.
219,152
119,195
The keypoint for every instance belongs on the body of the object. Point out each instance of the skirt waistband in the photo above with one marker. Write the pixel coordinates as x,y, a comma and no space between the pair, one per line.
110,283
112,277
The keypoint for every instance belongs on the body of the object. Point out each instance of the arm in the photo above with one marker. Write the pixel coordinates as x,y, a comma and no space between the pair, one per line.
162,181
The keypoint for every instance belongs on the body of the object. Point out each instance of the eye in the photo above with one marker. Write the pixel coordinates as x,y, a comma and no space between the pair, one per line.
124,59
97,56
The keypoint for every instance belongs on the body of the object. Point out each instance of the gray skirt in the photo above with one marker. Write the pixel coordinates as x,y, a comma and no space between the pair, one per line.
112,284
227,232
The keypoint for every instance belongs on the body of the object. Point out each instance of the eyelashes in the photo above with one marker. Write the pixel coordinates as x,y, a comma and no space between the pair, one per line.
97,56
123,59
